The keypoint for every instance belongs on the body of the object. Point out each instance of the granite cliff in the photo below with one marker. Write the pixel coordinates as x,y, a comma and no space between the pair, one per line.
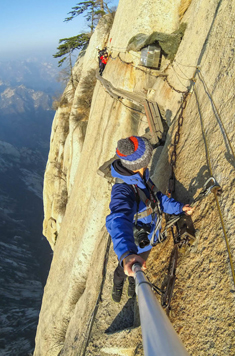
76,318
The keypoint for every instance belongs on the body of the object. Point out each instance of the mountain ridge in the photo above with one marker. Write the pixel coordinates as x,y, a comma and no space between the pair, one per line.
25,122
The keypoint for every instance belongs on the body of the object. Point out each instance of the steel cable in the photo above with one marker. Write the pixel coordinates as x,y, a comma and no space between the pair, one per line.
216,112
216,198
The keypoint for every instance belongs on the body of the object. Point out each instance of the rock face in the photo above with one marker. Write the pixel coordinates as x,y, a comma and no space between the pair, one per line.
73,321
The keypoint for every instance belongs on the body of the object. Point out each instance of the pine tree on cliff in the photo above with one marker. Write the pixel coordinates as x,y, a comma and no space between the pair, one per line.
92,11
68,45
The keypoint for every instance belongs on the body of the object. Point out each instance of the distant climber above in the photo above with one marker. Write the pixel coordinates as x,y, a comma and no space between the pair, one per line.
103,59
136,207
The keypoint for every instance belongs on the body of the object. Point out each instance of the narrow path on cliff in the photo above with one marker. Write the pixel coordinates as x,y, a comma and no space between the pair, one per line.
151,108
116,328
116,93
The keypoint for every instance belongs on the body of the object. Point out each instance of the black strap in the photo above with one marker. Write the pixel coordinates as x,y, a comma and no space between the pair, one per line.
137,197
153,202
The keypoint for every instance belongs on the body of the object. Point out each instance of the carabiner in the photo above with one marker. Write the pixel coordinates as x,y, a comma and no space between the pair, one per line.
211,186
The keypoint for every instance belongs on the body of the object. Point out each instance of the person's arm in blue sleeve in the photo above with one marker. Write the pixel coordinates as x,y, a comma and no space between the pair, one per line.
170,205
119,222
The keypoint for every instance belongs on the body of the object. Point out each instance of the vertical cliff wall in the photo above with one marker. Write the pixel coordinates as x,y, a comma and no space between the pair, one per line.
76,198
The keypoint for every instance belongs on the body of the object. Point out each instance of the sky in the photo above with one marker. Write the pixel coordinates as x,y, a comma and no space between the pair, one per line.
35,26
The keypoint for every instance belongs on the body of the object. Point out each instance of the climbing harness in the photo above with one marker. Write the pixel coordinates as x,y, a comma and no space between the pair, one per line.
153,208
184,235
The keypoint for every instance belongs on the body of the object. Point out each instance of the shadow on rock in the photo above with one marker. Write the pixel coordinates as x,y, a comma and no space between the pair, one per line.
125,319
186,196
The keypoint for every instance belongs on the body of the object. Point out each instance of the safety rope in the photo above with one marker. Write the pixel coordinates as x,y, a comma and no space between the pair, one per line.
119,49
185,77
154,287
173,88
180,78
125,61
216,198
162,74
215,110
171,185
148,72
113,58
202,79
173,160
129,107
123,50
184,65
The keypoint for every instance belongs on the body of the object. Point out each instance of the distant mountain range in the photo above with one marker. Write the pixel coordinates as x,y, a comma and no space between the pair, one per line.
26,91
25,117
21,99
32,73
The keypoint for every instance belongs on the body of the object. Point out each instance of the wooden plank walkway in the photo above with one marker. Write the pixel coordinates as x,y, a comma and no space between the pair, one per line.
154,118
151,108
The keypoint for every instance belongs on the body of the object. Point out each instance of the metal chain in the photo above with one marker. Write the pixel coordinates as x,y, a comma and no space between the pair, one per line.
114,58
161,74
173,88
171,184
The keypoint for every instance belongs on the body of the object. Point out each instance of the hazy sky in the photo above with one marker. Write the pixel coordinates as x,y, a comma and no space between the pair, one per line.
29,26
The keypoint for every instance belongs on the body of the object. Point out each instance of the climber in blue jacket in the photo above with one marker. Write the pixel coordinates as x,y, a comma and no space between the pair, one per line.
135,210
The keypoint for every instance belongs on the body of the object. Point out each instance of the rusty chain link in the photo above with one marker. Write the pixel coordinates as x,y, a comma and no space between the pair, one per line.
171,184
173,88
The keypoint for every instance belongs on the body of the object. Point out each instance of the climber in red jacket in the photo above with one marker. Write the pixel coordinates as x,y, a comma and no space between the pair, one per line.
103,59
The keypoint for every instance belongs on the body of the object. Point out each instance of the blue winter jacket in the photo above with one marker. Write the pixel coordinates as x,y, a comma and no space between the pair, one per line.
123,207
